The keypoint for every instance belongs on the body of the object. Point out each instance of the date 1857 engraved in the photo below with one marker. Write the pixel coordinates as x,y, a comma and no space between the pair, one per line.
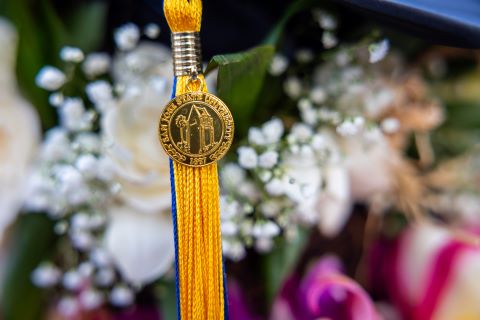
196,129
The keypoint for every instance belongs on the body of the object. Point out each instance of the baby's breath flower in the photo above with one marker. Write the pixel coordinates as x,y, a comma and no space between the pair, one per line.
325,20
105,277
96,64
293,87
87,165
68,307
390,125
378,50
268,159
304,55
50,78
55,99
275,187
72,280
279,64
247,157
329,40
90,299
46,275
72,114
263,244
232,174
235,250
71,54
127,36
300,133
100,93
229,228
318,95
152,30
121,296
351,127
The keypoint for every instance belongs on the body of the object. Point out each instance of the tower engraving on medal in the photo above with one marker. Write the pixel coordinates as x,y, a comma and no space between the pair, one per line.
196,129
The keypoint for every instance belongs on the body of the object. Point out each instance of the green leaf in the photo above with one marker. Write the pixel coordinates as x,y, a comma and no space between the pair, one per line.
169,301
294,8
279,263
240,80
34,50
42,33
30,244
87,25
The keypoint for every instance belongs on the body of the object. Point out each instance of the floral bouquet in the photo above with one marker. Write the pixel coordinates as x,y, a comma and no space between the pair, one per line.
351,191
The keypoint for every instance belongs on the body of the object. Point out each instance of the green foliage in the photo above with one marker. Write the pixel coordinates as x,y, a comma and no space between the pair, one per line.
280,262
461,129
168,300
31,243
240,80
42,33
88,19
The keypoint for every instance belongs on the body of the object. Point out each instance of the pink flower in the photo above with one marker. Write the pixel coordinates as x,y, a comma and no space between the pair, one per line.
325,292
428,273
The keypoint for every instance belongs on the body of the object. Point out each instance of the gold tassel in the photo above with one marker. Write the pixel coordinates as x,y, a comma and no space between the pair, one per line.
199,256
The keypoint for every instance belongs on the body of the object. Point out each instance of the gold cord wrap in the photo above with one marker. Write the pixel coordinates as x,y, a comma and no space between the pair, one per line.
187,53
188,130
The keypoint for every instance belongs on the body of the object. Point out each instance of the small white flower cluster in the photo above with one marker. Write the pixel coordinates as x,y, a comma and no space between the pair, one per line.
378,51
128,35
75,181
274,186
73,184
328,23
303,177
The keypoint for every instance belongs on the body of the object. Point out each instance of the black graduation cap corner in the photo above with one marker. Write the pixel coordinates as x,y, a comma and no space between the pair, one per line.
447,22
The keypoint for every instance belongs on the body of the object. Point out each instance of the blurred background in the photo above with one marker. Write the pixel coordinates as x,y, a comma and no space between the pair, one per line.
351,192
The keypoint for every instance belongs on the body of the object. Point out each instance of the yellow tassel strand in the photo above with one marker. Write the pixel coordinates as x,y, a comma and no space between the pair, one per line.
198,212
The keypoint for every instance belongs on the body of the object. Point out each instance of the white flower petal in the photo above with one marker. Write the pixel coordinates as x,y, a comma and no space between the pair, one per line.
141,245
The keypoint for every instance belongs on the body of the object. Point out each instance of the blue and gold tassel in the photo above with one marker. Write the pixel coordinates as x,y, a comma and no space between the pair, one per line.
196,130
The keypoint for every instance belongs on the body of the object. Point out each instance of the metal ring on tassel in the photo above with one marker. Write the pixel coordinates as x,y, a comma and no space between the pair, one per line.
187,53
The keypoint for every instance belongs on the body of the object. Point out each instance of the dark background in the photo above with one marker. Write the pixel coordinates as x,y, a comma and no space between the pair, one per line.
232,25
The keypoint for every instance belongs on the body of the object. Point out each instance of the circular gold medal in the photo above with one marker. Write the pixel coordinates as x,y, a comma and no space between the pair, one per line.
196,129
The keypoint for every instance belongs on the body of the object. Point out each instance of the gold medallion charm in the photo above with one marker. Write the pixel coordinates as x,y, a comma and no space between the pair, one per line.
196,129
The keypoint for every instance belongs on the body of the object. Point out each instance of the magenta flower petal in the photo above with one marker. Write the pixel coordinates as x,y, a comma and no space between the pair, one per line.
424,274
324,293
237,306
330,294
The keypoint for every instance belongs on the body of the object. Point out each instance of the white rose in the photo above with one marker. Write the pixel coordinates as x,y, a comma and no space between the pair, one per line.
140,164
140,226
141,245
19,132
130,128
